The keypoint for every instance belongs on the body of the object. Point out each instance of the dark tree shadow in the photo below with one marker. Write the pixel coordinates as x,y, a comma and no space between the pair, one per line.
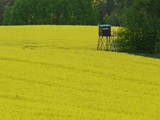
156,56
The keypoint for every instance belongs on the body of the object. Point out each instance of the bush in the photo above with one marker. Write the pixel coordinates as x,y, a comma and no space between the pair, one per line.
140,31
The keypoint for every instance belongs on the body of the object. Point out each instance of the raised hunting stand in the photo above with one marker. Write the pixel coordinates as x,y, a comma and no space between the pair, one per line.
104,40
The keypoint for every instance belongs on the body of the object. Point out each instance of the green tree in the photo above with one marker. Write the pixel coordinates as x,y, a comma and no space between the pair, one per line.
7,14
80,12
105,9
3,4
141,27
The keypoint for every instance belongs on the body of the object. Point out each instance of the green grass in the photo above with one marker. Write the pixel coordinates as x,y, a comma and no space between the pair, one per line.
55,73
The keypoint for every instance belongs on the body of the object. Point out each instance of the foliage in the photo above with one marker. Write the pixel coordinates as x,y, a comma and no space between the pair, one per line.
114,19
89,12
105,8
4,3
141,30
80,12
111,11
7,15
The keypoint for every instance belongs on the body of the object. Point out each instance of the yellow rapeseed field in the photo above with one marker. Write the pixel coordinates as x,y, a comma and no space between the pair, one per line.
56,73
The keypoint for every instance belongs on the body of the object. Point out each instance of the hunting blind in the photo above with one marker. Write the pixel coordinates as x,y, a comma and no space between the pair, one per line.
104,30
104,40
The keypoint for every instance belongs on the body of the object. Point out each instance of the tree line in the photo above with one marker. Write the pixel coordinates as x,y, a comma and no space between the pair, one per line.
80,12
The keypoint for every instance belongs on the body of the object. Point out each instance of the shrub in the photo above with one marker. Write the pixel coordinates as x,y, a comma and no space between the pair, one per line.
140,30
